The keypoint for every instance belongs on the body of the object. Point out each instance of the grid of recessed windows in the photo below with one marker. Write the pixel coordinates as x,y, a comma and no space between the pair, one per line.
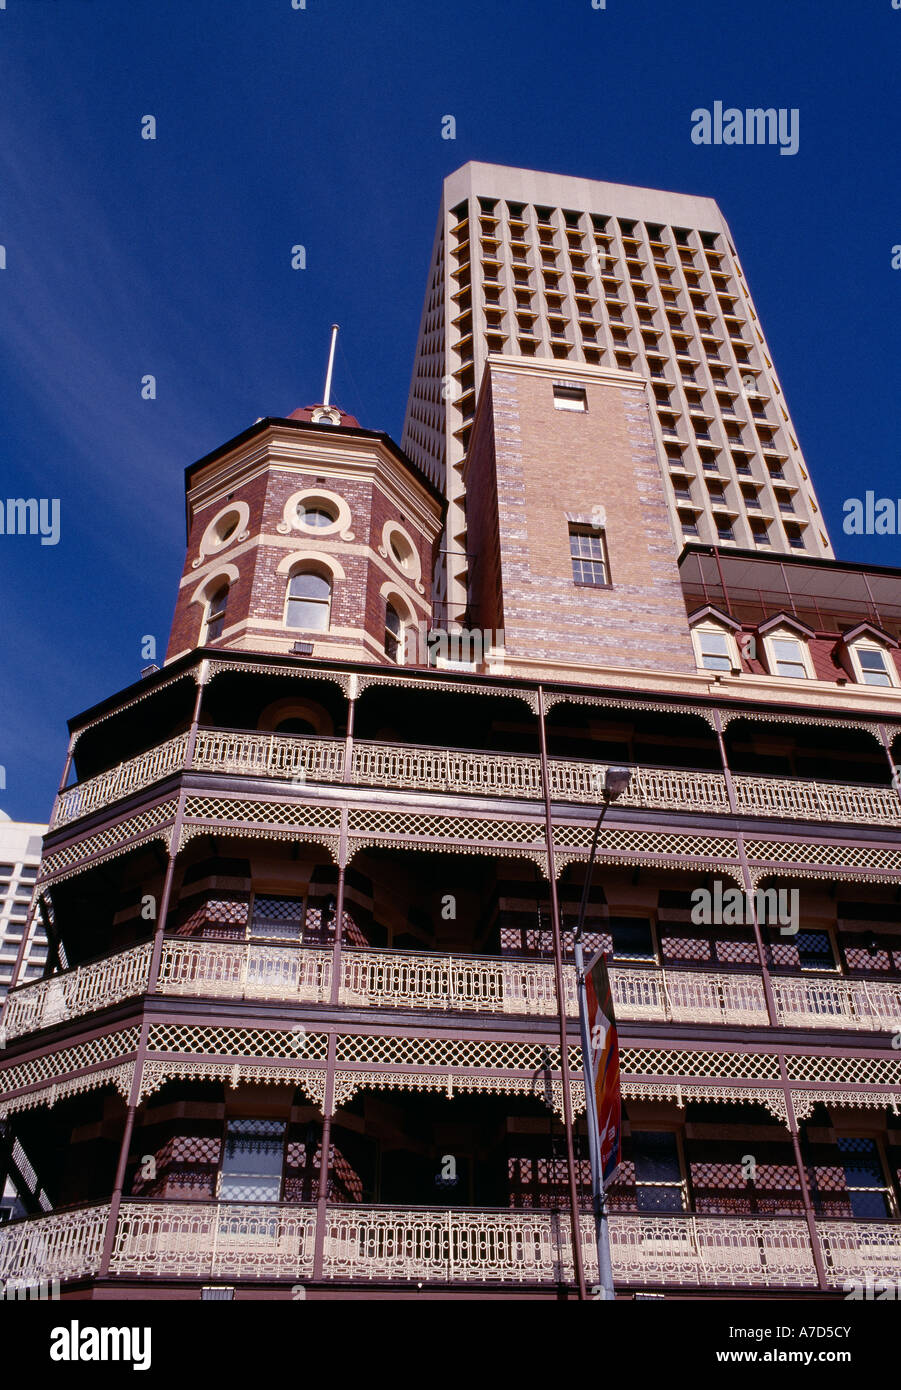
589,556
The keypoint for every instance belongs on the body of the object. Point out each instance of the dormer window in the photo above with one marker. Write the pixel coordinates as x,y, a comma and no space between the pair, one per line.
713,648
865,654
787,647
788,658
713,636
873,665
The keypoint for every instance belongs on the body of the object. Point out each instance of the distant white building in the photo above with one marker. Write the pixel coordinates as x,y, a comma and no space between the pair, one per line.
20,856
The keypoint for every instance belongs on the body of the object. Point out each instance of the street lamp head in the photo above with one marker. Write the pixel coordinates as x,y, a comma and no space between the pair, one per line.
616,781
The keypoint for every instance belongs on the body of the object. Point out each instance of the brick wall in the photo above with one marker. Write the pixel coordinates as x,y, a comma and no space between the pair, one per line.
257,598
548,463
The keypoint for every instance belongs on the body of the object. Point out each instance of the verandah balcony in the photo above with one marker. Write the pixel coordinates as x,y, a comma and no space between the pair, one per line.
433,982
473,1246
465,772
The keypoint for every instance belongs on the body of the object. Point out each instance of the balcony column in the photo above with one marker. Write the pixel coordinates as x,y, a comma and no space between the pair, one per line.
352,695
887,745
809,1215
134,1095
727,771
328,1105
561,1007
746,872
163,909
70,754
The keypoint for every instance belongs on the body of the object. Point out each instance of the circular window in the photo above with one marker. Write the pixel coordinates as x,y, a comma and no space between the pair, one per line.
226,527
316,514
401,552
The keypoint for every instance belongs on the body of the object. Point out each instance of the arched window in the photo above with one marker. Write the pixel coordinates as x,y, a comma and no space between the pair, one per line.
309,601
215,613
394,633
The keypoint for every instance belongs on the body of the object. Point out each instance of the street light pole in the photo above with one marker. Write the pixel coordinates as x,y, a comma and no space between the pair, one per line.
616,782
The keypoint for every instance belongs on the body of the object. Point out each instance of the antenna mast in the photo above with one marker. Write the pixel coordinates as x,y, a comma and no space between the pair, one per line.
331,363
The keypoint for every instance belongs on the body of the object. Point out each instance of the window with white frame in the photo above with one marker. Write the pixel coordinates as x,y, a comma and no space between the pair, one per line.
715,648
215,613
309,601
788,658
872,664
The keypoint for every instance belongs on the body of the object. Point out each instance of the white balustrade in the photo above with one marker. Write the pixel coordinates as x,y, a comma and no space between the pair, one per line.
810,1001
817,801
258,754
245,970
243,1240
269,755
77,992
64,1245
219,1240
856,1249
689,996
119,781
711,1250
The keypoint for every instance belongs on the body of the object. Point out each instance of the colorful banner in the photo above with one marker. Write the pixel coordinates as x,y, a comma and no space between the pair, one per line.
605,1067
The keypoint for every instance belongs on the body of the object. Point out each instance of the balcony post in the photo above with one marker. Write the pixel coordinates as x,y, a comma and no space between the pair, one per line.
352,693
163,911
758,938
124,1150
727,771
328,1104
561,1009
809,1215
887,745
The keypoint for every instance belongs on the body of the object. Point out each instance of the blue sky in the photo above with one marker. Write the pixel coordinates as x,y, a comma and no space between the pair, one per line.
322,127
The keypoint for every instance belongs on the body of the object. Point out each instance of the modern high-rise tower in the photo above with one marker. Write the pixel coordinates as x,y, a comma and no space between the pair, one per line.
598,277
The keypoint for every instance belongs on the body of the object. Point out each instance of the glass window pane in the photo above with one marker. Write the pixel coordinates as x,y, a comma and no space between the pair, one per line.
632,939
656,1156
252,1161
302,613
307,584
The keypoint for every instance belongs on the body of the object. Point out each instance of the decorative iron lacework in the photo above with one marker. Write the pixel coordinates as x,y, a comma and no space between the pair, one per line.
646,843
328,842
451,687
108,844
246,1043
348,1083
387,1050
311,1080
805,1102
755,1066
538,857
681,1092
552,697
194,672
445,827
260,668
52,1091
767,717
805,852
733,871
850,1067
290,813
50,1066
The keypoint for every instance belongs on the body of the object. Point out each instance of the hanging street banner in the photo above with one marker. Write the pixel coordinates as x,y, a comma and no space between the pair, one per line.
605,1067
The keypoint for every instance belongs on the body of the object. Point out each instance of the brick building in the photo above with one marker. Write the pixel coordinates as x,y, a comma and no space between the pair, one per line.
302,1030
